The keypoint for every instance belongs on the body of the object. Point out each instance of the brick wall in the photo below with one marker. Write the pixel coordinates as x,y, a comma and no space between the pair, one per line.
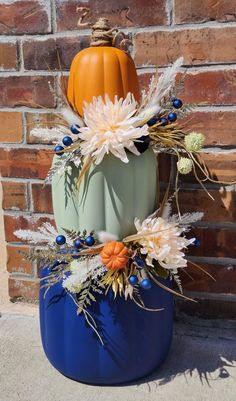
204,32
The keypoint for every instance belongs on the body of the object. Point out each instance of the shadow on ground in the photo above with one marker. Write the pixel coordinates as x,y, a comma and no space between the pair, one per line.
205,353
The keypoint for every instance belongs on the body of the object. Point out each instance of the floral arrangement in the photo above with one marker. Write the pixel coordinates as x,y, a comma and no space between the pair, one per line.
117,126
89,264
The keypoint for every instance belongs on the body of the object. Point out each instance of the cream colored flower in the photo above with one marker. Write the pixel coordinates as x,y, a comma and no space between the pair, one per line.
194,141
111,127
162,241
184,165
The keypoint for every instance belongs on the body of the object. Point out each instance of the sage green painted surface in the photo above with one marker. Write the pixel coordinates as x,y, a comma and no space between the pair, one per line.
110,197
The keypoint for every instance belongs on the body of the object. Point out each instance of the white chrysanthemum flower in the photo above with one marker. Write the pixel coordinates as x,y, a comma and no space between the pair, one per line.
184,165
194,141
111,127
165,245
81,270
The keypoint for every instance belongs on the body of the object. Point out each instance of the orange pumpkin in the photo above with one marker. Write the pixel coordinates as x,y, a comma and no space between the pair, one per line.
114,255
101,70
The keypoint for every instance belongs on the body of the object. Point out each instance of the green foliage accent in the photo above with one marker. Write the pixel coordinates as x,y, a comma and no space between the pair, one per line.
72,234
159,270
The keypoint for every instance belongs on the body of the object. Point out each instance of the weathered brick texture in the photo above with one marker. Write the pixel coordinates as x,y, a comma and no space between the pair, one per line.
215,87
125,13
53,54
24,16
26,289
25,162
31,91
187,11
8,56
37,34
42,198
16,262
14,195
197,46
11,126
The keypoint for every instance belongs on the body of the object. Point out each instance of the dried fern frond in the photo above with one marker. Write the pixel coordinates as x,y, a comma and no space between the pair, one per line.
85,296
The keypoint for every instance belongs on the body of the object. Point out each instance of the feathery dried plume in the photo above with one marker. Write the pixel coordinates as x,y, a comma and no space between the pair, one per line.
71,117
158,89
46,233
186,218
104,237
53,135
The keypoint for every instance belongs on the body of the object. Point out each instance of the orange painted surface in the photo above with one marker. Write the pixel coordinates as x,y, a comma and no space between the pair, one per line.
97,71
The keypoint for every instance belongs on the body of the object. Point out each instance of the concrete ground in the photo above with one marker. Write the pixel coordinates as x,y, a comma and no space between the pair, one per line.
201,366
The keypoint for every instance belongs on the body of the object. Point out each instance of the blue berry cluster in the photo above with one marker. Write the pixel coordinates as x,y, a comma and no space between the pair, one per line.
171,117
79,243
145,283
67,140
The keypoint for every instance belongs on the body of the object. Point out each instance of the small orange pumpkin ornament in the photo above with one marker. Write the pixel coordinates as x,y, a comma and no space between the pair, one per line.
114,255
101,69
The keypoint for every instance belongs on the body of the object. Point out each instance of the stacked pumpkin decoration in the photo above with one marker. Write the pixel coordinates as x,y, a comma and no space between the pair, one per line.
109,198
112,193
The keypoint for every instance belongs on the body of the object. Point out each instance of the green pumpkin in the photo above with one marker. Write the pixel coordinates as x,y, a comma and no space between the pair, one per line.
111,195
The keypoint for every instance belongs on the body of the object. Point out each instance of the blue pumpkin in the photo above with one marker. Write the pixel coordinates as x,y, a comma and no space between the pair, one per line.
135,341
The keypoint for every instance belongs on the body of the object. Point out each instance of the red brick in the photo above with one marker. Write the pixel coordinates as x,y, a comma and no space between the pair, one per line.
42,55
42,198
197,46
210,87
8,56
221,210
34,91
24,16
16,262
29,222
221,167
186,11
14,195
140,13
25,289
25,162
215,242
225,277
40,120
218,127
11,126
203,88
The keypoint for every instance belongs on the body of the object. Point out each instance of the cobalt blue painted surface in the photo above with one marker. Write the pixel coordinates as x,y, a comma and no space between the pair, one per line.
135,341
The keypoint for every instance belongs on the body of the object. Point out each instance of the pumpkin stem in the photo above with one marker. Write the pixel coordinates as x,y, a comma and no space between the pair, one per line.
102,34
